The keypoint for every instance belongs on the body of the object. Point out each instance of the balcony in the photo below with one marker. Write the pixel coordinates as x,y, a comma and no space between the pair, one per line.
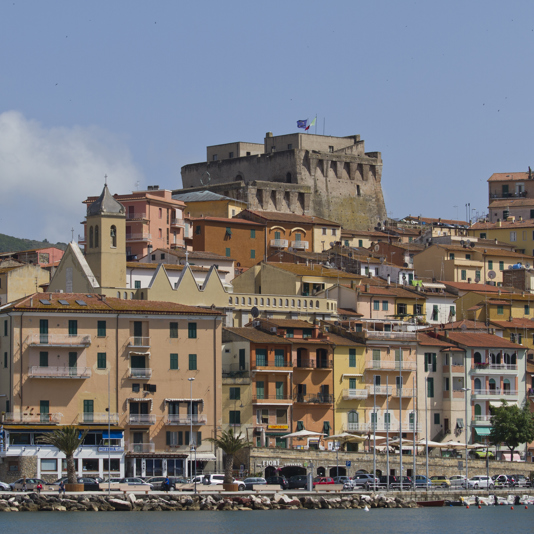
300,245
454,368
315,398
356,427
272,399
381,427
99,418
178,222
177,243
379,390
234,371
81,239
404,392
279,243
139,342
59,372
503,194
401,336
479,393
308,363
142,419
141,447
481,419
139,373
135,216
389,365
59,340
355,394
499,367
173,419
45,418
138,237
284,365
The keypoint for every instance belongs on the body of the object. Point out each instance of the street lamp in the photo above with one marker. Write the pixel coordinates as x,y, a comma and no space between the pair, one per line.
192,445
465,390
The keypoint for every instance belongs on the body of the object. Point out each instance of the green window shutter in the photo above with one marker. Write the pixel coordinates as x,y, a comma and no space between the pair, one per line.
192,330
73,327
300,426
453,311
180,438
168,438
436,419
228,230
261,357
43,359
277,235
101,360
187,442
500,310
501,266
260,389
252,254
192,362
352,383
279,390
490,265
43,330
174,361
464,274
199,439
101,329
227,252
527,309
326,428
253,234
430,383
360,242
385,305
137,284
173,330
352,357
434,363
376,305
279,358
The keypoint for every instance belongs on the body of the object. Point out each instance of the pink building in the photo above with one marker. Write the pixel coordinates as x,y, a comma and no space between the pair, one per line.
153,220
43,257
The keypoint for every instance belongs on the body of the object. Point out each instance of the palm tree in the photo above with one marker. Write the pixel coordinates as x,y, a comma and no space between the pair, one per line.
230,444
67,439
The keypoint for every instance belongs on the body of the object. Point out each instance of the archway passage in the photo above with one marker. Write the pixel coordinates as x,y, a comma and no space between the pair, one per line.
270,471
362,472
338,472
321,472
291,471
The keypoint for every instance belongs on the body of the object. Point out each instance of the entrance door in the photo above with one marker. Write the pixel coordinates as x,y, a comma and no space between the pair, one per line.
301,392
44,410
43,331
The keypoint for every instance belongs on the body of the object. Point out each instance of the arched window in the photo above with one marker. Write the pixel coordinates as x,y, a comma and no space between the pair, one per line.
96,237
230,301
507,358
91,237
478,384
261,301
118,294
299,303
287,303
491,384
125,295
353,419
113,235
242,300
255,301
493,358
478,358
317,304
506,385
249,301
280,302
131,296
513,360
478,410
268,301
292,303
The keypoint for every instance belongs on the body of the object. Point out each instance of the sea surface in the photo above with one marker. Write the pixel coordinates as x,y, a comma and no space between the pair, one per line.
450,520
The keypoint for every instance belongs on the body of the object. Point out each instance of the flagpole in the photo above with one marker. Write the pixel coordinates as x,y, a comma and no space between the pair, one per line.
316,124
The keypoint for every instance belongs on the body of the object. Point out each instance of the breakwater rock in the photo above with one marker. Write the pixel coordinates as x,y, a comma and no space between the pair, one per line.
33,502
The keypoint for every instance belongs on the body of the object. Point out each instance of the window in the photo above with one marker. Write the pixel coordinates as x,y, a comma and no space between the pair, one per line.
192,362
334,231
192,330
324,231
96,237
48,464
113,236
513,236
418,309
174,361
227,252
235,417
73,327
137,284
451,255
500,310
464,274
330,149
173,330
160,213
214,157
228,231
402,309
43,359
277,235
376,305
44,411
289,332
477,276
430,362
430,387
5,327
453,311
385,305
5,361
501,266
490,264
252,254
260,389
101,329
468,256
101,360
235,393
352,357
230,154
253,234
306,333
198,230
360,242
482,235
436,419
527,309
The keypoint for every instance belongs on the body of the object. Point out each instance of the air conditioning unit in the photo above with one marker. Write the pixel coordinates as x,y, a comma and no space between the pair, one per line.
273,329
256,323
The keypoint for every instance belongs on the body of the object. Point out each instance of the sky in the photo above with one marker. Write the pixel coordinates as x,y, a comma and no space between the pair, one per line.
135,90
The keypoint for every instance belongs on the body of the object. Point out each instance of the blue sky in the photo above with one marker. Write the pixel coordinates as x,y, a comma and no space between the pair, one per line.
135,90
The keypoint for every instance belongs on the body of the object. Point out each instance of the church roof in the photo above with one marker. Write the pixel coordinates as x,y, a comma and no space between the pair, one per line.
105,204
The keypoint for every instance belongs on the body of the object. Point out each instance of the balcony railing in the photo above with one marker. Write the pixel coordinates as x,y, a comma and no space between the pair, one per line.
357,427
377,334
81,239
279,243
313,363
177,222
272,363
379,390
512,194
48,418
139,373
138,237
494,392
59,340
197,419
481,418
388,365
235,371
141,447
265,399
59,372
355,394
382,427
494,367
300,245
135,216
315,398
142,419
139,341
98,418
404,392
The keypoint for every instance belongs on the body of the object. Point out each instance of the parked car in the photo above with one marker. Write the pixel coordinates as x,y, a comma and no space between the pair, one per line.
480,481
457,481
298,482
422,482
391,479
403,482
254,481
521,481
157,482
134,481
341,479
209,480
440,480
31,483
321,481
503,481
4,486
284,484
366,481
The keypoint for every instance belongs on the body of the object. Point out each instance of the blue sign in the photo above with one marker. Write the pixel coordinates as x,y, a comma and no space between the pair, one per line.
347,463
110,449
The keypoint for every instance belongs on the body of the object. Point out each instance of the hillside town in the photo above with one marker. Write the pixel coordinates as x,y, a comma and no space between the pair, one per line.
270,295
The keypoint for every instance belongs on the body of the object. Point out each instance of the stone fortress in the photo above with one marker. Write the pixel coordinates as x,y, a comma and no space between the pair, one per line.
315,175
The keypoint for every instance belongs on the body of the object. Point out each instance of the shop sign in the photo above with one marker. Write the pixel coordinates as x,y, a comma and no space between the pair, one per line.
277,427
110,449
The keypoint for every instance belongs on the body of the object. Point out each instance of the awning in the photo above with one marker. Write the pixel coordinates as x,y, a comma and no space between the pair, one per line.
185,400
114,434
483,431
135,353
203,456
356,375
499,403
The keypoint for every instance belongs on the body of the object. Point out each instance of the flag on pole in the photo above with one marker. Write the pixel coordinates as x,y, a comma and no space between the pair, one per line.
303,124
312,123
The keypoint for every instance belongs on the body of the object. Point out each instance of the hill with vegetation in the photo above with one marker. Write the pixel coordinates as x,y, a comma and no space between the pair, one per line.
15,244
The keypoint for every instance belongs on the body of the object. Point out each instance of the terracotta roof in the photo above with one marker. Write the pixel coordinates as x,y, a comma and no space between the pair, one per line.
5,270
403,231
343,341
301,269
512,203
431,220
470,325
349,311
257,336
290,217
464,286
107,305
227,221
514,323
168,266
508,176
192,254
470,339
529,223
372,233
287,323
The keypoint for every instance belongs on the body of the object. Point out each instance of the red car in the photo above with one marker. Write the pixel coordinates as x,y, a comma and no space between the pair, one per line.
319,481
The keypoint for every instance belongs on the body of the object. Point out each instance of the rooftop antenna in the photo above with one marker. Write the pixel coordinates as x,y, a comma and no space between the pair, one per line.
72,232
105,179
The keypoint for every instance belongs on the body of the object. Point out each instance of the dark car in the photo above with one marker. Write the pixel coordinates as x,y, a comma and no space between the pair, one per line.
157,482
89,483
366,481
521,481
392,481
284,484
250,482
406,483
298,482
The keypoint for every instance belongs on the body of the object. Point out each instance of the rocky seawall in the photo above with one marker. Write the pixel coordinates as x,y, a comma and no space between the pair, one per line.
33,502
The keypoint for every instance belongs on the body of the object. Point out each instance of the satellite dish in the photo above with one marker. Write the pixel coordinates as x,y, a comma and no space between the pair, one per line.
350,254
527,265
463,328
468,242
205,178
255,312
492,275
332,243
377,248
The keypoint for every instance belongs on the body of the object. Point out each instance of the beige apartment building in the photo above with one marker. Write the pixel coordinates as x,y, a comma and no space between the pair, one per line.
152,370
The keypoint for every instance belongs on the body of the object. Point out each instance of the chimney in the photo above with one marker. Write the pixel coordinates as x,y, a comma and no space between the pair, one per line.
499,292
498,224
520,218
389,279
31,302
367,288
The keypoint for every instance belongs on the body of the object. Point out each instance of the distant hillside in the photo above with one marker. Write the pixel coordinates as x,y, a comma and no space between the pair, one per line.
14,244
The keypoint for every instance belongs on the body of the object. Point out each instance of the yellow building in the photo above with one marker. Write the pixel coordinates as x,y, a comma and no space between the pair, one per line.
204,203
18,280
490,307
363,238
518,233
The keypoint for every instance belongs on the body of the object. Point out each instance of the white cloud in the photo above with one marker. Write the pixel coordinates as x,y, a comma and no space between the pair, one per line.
45,174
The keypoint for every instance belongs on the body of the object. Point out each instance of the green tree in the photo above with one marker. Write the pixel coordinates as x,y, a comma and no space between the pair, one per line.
511,425
230,444
67,439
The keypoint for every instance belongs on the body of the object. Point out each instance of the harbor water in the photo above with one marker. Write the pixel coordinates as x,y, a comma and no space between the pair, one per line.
492,519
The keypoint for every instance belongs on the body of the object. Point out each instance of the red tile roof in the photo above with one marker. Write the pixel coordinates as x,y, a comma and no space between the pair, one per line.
470,339
428,341
508,176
